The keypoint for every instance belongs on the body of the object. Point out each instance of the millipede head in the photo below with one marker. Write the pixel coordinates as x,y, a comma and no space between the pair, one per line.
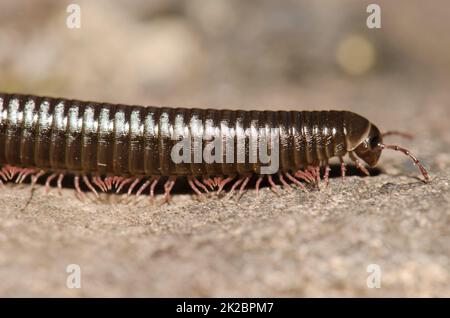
369,149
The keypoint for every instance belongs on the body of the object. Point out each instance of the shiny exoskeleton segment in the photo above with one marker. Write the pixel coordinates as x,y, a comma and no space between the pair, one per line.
110,146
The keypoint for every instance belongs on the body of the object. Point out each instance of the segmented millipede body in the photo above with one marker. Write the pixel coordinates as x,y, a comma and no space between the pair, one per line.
111,146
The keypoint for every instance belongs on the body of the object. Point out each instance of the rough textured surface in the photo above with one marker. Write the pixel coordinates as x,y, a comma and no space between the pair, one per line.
315,243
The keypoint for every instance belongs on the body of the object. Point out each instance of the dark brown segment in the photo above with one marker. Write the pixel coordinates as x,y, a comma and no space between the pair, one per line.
196,131
105,140
286,140
151,141
57,155
74,136
13,130
121,140
211,148
136,142
228,118
164,149
4,102
43,133
27,138
90,138
243,166
254,140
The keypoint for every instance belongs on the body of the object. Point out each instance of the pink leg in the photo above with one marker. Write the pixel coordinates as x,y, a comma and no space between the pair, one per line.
130,189
304,175
318,175
210,183
258,183
47,182
77,187
3,175
23,174
326,175
36,177
152,187
12,171
100,183
273,185
59,182
196,190
142,188
241,190
284,183
358,164
120,184
343,168
116,181
108,183
223,183
167,188
217,181
235,185
290,177
97,181
201,185
90,186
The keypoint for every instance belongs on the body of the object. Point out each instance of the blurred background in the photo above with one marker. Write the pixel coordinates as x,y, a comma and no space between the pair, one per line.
225,53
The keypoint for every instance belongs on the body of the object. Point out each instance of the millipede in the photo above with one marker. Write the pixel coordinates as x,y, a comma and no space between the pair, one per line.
115,148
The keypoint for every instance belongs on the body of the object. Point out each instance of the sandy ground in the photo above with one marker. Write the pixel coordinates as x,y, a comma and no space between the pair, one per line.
314,243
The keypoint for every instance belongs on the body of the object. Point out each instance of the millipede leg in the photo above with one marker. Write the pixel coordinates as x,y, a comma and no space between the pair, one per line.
142,188
108,183
100,183
217,181
59,182
90,186
358,164
223,183
2,174
241,190
196,190
284,183
258,183
326,175
10,171
167,188
343,168
304,175
48,181
235,185
36,177
210,183
132,186
23,174
76,181
272,184
290,177
121,183
153,186
201,185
